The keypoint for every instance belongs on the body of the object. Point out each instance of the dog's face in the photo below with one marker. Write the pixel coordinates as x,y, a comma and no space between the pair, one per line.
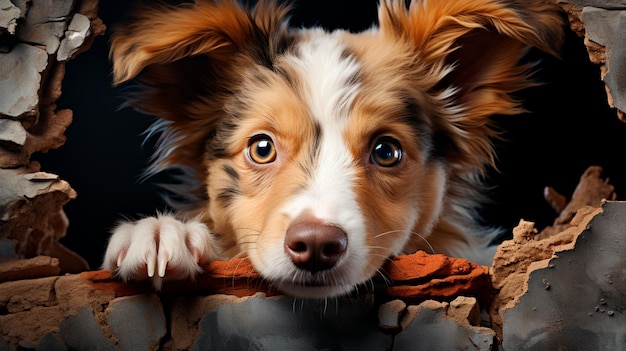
328,163
322,154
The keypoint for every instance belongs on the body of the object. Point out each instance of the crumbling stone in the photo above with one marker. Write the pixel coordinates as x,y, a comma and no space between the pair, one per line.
129,315
32,215
137,322
390,315
591,190
12,132
420,276
25,295
90,304
36,267
434,325
280,323
603,25
9,15
75,35
80,331
575,299
27,328
516,258
45,23
32,64
21,67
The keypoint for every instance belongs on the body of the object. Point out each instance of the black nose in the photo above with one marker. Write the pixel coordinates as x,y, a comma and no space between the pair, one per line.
314,246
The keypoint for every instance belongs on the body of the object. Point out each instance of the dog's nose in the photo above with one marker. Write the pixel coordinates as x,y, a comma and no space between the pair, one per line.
314,246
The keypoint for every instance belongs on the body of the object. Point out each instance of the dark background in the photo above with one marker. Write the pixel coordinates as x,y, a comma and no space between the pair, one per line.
570,128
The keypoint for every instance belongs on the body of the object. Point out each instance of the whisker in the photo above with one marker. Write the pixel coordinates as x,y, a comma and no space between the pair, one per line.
371,283
247,243
246,237
240,254
432,249
383,275
389,232
246,228
236,268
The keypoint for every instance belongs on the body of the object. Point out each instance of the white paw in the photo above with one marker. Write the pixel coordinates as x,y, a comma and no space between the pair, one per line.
156,247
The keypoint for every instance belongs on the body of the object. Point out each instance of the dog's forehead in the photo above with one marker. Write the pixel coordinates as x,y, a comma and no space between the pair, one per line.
327,75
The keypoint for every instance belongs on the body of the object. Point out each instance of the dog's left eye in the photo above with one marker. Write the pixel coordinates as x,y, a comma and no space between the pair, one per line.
261,149
386,152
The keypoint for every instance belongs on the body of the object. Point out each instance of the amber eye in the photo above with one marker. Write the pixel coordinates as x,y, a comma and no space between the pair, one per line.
386,152
261,149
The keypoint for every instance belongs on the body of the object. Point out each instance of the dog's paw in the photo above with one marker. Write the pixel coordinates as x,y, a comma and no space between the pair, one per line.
159,247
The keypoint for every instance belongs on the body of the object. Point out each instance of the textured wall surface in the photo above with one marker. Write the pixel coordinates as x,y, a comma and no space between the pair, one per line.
562,288
603,25
37,40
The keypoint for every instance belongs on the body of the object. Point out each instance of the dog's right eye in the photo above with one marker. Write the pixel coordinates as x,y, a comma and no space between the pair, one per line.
386,152
261,149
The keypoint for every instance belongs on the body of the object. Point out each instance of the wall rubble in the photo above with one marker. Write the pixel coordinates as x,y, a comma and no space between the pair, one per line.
602,24
37,39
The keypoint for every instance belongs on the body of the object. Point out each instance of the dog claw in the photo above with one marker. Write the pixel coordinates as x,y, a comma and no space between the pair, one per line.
155,246
162,264
150,266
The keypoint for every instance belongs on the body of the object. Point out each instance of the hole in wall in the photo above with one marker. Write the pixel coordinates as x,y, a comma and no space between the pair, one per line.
569,128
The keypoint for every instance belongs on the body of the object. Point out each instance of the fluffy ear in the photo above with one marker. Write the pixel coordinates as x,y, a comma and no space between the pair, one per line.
187,60
475,47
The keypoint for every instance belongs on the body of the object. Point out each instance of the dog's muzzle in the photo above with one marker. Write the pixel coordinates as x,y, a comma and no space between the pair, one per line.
315,247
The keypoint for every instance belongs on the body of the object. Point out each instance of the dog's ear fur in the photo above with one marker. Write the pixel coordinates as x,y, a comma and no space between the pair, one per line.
475,47
161,34
186,60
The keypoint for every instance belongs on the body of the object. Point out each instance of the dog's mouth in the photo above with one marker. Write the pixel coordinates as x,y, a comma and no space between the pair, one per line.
315,285
314,290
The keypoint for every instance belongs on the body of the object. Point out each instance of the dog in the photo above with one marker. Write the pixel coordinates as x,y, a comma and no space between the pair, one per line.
321,154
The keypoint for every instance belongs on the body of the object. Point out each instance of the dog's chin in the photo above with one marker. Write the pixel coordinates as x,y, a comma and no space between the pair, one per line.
313,291
318,286
340,280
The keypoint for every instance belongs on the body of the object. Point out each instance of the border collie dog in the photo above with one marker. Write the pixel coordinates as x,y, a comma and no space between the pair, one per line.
318,155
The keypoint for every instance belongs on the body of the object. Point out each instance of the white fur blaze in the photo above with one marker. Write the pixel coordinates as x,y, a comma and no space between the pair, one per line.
329,88
159,247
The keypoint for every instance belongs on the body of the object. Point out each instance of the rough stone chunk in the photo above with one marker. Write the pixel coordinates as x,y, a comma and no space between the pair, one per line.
603,25
20,77
36,267
575,300
421,276
12,131
31,215
32,66
27,328
137,322
608,28
81,331
75,35
9,15
516,258
390,314
432,326
24,295
279,323
45,23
